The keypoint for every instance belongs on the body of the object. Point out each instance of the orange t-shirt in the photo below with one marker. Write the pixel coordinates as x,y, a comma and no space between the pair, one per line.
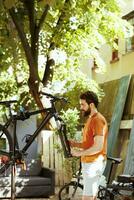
95,125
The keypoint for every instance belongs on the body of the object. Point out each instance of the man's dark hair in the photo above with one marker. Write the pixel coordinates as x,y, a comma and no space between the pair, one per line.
90,97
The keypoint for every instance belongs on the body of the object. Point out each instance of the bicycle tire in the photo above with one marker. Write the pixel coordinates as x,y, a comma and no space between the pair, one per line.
6,148
105,194
72,190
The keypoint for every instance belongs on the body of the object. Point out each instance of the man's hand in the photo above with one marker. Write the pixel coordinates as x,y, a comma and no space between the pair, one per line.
76,153
72,143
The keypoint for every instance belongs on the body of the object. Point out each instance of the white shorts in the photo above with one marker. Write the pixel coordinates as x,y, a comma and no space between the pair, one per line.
92,173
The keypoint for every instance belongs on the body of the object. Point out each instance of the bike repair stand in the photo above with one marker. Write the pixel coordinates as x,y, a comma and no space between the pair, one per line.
13,169
13,164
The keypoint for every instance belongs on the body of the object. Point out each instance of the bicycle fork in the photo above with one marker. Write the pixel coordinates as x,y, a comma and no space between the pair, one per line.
75,188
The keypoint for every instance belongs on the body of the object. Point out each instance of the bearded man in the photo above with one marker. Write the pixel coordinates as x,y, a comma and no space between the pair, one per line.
93,147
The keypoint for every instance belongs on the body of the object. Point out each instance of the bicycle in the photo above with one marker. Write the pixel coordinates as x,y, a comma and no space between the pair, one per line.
109,192
10,153
117,189
73,189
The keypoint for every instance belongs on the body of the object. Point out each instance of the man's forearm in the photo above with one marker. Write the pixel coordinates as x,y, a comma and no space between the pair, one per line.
94,149
75,144
91,151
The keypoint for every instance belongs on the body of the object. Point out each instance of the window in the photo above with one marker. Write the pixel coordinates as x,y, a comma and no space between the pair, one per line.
129,44
115,54
94,65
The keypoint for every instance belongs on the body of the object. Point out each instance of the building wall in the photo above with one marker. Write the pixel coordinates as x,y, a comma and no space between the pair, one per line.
24,128
127,6
116,69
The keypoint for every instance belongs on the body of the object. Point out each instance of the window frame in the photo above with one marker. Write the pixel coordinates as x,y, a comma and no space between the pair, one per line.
115,55
129,42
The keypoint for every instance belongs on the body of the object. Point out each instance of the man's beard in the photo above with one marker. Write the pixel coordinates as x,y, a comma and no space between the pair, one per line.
86,113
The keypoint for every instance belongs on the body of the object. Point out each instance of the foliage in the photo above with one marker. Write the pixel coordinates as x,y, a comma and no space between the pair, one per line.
13,86
71,119
69,81
31,30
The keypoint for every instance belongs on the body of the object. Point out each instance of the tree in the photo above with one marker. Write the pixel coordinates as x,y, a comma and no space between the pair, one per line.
31,28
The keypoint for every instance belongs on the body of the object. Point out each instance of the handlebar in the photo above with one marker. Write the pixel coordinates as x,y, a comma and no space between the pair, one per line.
54,98
7,103
24,114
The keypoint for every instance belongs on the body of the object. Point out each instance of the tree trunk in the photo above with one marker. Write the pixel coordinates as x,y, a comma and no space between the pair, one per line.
34,80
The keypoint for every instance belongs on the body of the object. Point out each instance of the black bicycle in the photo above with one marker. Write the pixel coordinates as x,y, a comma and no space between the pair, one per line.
122,188
111,191
10,153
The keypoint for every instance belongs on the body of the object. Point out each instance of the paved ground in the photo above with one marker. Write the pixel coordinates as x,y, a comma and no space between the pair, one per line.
55,197
51,198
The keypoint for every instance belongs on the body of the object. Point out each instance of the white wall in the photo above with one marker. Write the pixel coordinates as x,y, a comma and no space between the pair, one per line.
127,6
120,68
27,127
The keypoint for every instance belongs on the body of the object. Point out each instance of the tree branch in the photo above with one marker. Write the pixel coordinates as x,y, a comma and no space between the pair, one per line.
29,5
34,28
25,44
20,31
48,69
42,19
30,8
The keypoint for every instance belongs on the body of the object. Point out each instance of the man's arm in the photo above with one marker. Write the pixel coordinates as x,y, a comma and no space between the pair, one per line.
94,149
75,144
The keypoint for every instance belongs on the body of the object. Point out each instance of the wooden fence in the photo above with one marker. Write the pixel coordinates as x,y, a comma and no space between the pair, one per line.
53,157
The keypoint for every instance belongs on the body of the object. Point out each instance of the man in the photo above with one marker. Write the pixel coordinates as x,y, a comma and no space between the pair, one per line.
93,147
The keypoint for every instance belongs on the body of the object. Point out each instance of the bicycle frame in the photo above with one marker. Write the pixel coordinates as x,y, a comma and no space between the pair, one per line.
50,113
32,137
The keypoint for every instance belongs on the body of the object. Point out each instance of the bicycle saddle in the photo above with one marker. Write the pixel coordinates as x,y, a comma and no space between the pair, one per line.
114,160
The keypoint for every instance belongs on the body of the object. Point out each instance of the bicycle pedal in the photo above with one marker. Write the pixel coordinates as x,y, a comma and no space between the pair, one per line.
4,159
22,163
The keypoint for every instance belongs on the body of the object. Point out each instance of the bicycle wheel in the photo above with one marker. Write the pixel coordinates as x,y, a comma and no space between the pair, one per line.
6,148
104,194
72,190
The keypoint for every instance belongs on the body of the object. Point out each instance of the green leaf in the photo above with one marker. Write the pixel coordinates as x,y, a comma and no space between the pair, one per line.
9,3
